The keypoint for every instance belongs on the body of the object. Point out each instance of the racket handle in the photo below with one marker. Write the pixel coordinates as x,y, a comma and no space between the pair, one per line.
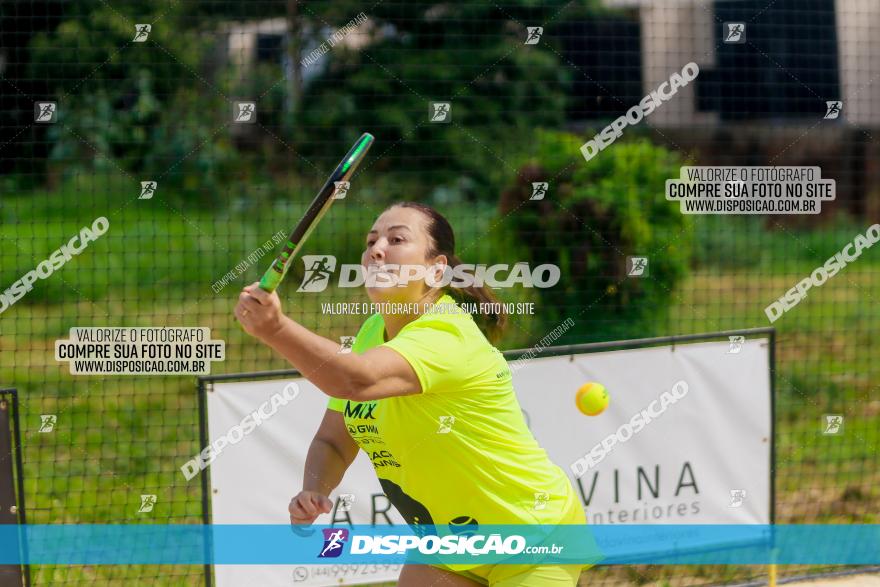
270,279
274,275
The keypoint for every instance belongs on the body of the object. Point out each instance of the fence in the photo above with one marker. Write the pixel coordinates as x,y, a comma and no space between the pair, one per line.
145,134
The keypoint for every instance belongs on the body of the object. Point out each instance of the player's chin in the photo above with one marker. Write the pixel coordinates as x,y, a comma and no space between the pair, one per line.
392,295
380,295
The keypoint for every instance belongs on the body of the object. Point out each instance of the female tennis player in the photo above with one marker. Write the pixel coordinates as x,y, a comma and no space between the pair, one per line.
446,434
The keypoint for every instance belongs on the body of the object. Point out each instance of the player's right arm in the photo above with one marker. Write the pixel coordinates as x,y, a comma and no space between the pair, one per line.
331,453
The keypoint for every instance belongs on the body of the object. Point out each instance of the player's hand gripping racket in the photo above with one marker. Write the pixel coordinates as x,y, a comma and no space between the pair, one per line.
314,213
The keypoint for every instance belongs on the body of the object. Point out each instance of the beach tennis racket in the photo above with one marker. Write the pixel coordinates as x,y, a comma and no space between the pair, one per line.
316,210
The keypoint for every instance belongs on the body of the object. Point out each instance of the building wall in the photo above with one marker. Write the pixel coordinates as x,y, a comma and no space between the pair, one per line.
677,31
858,23
674,34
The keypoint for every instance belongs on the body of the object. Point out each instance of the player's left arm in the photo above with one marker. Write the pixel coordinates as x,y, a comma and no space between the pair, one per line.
378,373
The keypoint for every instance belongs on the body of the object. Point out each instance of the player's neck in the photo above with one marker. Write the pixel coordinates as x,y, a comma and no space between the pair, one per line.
394,323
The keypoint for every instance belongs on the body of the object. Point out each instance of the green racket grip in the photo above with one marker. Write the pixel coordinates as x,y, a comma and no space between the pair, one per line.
274,275
270,280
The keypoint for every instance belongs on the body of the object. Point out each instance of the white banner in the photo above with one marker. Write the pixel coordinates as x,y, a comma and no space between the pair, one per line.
704,459
253,481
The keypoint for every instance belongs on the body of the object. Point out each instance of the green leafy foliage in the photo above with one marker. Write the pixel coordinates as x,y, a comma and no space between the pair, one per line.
594,216
471,56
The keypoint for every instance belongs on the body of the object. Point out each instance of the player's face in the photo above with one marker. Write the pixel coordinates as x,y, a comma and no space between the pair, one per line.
399,237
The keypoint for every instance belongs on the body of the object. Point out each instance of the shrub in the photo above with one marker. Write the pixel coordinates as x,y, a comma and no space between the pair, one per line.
595,215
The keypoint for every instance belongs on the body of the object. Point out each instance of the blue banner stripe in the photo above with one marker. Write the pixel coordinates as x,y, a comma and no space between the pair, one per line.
364,544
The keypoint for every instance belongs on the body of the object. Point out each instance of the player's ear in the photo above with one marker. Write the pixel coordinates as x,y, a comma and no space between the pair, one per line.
439,260
437,268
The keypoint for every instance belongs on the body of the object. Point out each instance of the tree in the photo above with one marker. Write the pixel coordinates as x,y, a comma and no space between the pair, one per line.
469,54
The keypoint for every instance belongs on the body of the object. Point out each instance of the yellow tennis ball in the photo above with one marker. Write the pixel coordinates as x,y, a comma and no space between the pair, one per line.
592,398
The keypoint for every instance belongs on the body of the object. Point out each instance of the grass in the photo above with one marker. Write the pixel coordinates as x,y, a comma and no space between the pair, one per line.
117,438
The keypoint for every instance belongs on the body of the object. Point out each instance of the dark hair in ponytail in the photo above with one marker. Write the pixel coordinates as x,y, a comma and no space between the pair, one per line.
443,243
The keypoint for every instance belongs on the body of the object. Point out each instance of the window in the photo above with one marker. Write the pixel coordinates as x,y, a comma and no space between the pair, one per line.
787,66
269,48
607,77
